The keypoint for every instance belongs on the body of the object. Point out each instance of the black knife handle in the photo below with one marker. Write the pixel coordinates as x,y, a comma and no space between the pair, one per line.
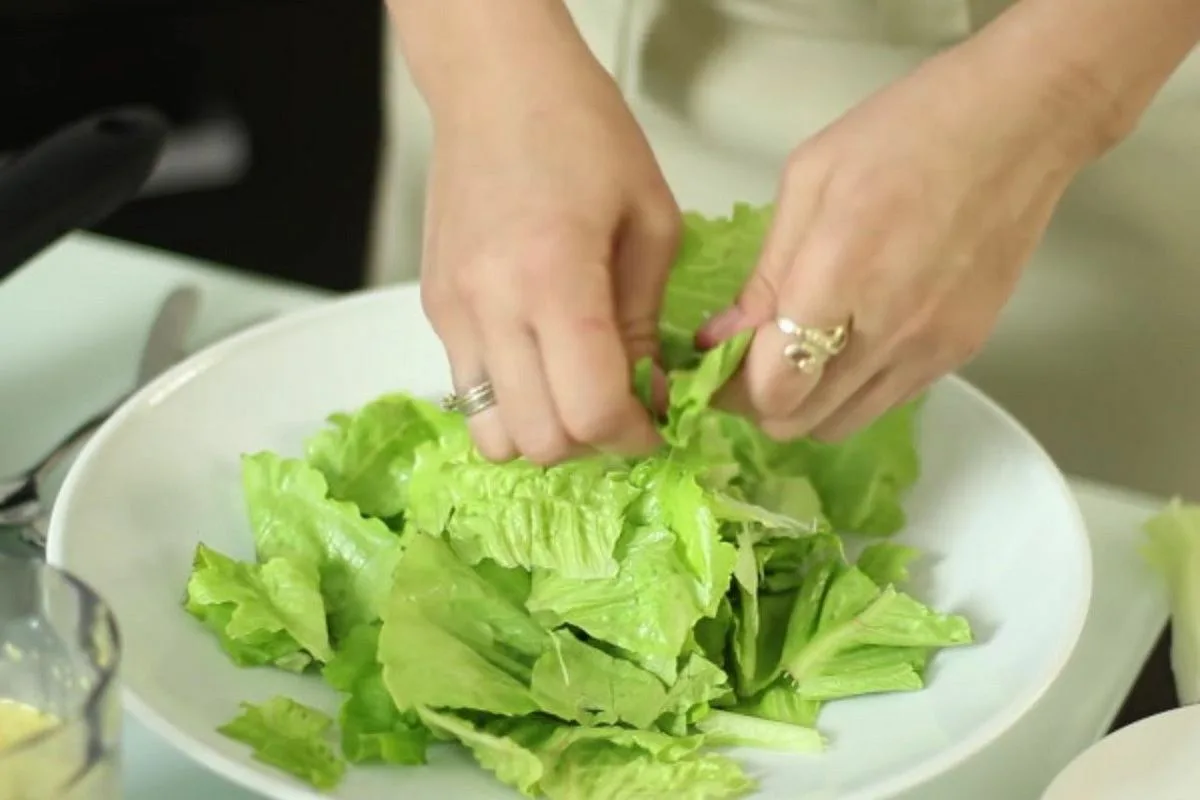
75,178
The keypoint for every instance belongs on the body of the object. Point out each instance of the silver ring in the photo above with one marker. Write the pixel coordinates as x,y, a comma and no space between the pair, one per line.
810,347
477,399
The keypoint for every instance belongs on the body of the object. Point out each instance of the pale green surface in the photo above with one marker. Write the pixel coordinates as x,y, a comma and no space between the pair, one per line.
71,326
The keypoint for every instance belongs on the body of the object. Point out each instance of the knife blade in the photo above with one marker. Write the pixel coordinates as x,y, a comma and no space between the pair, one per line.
168,333
163,349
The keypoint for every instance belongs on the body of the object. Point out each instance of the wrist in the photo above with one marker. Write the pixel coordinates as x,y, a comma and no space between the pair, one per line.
462,52
1092,66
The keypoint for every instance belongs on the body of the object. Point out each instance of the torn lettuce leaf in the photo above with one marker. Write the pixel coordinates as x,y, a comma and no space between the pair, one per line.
565,519
674,570
580,683
541,758
855,612
715,258
290,736
886,563
367,458
269,613
443,613
294,519
728,728
373,729
692,391
780,702
1173,548
862,480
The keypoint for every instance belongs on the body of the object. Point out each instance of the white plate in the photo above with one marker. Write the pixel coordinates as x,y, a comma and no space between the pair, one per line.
1005,541
1155,759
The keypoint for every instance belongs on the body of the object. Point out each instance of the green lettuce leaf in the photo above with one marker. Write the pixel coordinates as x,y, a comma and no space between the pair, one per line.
577,682
512,763
866,670
862,480
716,256
367,457
692,391
673,569
291,737
541,758
727,728
1173,547
886,563
648,610
269,613
699,684
780,702
854,613
373,729
293,518
443,613
565,519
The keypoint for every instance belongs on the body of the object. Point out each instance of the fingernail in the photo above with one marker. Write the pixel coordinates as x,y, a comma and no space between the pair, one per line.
720,327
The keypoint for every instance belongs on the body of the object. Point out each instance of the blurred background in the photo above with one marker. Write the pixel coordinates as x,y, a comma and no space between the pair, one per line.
276,106
301,147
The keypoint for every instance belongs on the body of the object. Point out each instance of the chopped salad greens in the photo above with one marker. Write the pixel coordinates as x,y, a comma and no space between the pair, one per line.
1173,547
596,629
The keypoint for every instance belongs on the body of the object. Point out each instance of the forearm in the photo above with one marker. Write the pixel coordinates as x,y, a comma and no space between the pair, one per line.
456,47
1104,60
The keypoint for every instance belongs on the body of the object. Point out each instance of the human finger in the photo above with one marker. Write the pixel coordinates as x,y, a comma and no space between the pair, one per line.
587,366
455,326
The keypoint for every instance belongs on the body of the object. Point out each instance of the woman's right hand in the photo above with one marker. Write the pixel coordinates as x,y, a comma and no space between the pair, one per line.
549,233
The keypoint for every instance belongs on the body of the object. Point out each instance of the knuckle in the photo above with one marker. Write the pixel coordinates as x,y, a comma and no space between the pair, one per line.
772,403
469,281
781,431
760,294
547,446
595,424
495,449
961,343
834,433
436,300
775,391
967,346
663,223
797,168
548,246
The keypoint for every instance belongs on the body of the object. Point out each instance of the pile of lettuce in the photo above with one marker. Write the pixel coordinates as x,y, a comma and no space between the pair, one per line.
593,629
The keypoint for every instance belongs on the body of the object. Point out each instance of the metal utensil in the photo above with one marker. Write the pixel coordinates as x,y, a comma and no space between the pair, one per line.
20,495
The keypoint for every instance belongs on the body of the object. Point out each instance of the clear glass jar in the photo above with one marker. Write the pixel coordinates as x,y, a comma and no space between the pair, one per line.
60,706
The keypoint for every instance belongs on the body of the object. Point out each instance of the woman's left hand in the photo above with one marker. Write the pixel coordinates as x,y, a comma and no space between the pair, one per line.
909,221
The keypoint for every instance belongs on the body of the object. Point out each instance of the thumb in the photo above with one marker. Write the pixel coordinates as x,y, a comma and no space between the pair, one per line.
796,204
759,298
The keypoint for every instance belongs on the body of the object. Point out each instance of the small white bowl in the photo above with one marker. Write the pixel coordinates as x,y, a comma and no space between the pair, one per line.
1157,758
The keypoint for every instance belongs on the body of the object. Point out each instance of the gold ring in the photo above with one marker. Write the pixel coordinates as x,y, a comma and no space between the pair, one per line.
811,348
477,399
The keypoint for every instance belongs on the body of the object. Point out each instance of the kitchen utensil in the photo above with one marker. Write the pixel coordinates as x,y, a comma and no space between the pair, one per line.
1004,541
75,178
20,495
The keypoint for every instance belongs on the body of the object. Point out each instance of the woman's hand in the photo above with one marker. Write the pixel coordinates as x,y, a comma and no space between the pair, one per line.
549,234
909,221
